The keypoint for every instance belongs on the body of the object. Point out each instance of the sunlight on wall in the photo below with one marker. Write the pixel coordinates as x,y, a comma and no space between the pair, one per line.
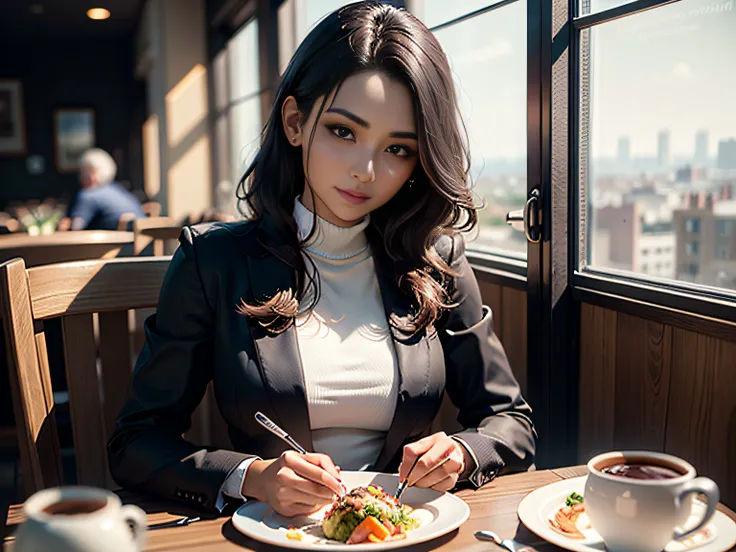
190,180
186,105
151,157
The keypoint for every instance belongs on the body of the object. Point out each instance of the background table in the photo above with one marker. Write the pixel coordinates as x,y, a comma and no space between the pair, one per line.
491,507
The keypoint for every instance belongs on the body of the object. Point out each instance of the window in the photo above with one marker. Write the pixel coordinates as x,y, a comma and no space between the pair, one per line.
487,55
237,125
437,12
295,19
653,154
722,252
245,97
725,228
692,225
689,269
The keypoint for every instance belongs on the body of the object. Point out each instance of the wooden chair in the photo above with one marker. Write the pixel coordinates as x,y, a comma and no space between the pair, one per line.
125,221
151,208
157,230
81,294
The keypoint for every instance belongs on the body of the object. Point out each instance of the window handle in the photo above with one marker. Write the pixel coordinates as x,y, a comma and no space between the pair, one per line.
528,219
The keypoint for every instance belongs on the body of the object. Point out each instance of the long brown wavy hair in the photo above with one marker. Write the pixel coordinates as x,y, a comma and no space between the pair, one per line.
370,36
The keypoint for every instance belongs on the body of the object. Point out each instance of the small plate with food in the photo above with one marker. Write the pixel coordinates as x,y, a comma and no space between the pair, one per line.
368,517
556,513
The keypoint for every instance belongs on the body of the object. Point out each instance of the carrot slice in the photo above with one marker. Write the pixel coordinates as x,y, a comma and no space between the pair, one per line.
369,526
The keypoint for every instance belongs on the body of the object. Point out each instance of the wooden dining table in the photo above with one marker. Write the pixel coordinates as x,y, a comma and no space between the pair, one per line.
491,507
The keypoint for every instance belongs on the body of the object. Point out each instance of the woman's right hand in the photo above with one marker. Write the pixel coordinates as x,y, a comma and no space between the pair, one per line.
294,484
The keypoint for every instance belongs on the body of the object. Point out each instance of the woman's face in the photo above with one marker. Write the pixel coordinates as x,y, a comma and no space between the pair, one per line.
364,148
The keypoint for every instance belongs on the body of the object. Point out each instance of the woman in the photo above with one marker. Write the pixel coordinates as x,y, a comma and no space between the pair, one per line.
345,307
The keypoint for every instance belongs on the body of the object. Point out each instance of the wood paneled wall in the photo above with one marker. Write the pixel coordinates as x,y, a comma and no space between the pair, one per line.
509,323
647,385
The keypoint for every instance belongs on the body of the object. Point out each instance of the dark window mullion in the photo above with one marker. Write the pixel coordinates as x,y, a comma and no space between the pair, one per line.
618,12
471,15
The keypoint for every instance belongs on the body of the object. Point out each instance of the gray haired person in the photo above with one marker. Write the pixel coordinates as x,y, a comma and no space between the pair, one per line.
101,201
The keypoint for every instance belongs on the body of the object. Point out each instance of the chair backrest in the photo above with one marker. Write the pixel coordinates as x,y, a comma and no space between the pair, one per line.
87,296
125,221
157,230
65,246
151,208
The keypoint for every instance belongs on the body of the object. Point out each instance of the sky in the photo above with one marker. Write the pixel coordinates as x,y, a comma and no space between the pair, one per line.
671,68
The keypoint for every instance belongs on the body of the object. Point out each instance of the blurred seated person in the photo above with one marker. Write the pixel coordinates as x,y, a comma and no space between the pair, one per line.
101,201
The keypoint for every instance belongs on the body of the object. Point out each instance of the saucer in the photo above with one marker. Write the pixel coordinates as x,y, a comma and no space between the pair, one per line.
540,505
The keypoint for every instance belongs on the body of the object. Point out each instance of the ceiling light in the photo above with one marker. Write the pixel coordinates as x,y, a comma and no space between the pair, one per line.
98,13
36,9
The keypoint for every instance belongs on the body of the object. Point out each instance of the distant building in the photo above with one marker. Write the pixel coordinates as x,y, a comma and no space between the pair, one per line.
663,149
706,239
727,154
688,174
701,149
624,151
622,240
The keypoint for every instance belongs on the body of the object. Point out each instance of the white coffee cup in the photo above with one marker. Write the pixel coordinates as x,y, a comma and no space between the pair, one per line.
643,515
80,519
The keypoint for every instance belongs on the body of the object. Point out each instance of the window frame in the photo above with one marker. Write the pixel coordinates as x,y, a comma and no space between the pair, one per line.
599,286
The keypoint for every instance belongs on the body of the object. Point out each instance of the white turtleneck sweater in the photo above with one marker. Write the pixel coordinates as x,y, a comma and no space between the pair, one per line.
348,358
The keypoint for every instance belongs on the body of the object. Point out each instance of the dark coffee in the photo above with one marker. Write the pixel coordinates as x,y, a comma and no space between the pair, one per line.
641,471
75,507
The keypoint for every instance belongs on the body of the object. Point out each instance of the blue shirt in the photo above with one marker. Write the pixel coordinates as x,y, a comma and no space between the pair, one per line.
100,208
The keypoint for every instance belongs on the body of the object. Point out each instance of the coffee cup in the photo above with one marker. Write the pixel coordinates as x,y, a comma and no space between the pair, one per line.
638,501
80,519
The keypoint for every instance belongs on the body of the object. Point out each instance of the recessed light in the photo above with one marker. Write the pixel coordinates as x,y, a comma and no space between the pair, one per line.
98,13
36,9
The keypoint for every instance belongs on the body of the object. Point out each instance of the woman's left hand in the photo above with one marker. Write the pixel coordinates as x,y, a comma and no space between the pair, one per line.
441,461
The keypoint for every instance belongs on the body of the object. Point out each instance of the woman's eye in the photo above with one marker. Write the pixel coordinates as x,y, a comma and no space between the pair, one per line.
342,132
400,151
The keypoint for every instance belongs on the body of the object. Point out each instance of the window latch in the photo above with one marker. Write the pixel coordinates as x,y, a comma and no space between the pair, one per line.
528,219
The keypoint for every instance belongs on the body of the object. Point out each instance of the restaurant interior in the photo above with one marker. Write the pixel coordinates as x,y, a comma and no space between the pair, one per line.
602,136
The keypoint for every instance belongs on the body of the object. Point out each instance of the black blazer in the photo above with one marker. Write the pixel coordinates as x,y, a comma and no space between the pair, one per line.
197,336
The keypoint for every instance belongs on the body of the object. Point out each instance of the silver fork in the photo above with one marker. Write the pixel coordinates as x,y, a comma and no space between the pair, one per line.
508,544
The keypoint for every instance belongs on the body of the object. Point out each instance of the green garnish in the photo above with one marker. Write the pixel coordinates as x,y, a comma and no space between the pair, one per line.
573,499
397,517
371,510
400,517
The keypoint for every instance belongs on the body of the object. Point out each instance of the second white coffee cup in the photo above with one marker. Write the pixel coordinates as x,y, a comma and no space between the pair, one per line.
644,514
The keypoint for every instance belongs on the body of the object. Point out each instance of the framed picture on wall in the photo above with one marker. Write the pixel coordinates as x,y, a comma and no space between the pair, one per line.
12,118
74,132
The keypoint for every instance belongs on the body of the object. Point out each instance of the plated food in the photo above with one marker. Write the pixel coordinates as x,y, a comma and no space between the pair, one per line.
367,514
424,515
570,518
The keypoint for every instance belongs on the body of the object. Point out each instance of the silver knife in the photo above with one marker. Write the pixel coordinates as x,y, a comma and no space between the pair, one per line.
508,544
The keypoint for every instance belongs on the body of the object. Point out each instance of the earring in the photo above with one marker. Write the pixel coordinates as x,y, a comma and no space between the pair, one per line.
411,181
293,139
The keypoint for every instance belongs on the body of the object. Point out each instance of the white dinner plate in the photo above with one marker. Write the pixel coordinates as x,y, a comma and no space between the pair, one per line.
539,505
439,514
